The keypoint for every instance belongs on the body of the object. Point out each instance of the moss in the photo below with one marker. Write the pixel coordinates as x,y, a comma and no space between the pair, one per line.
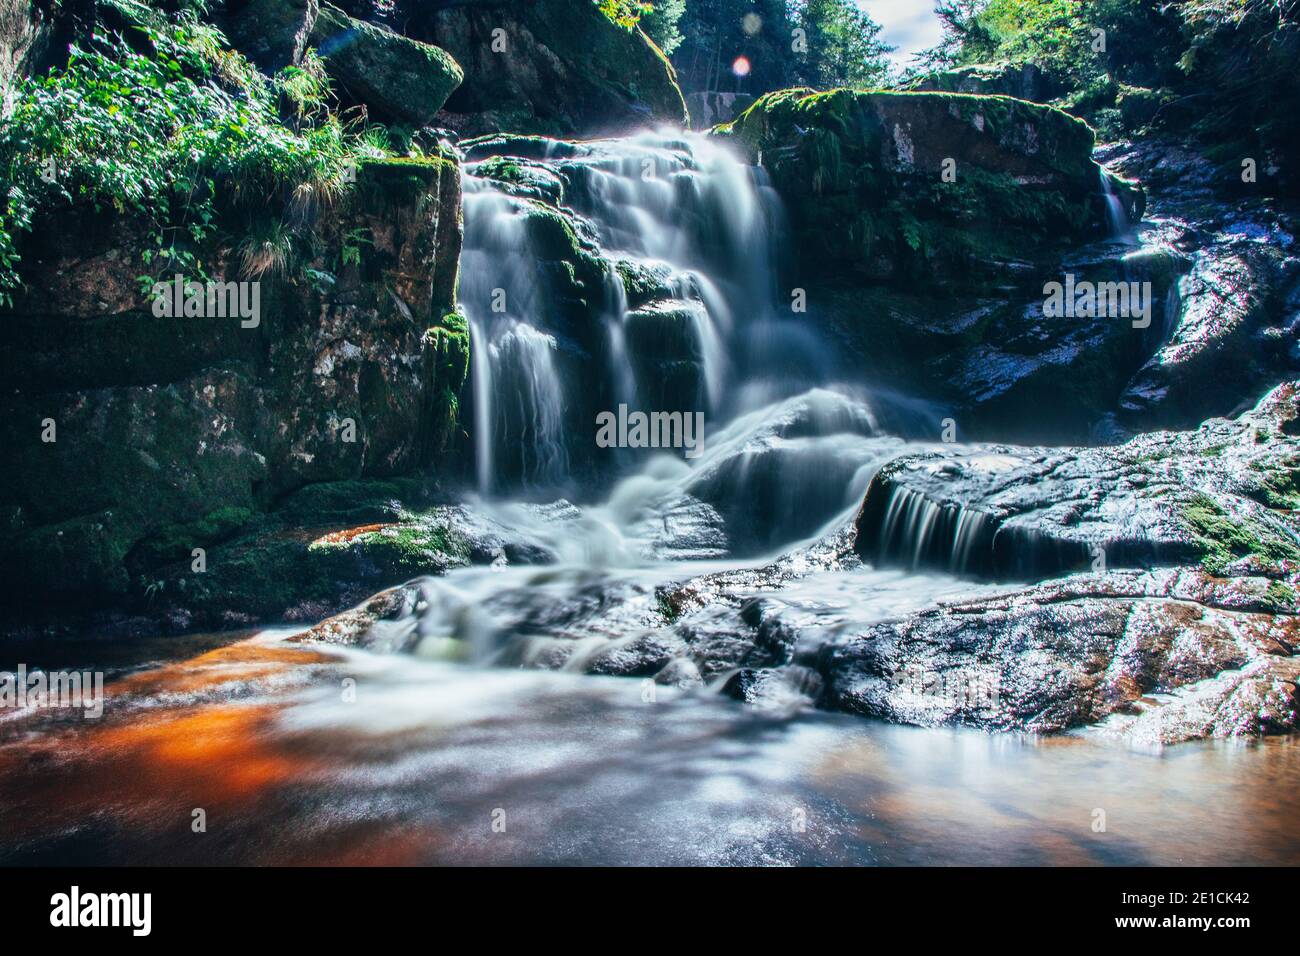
446,369
390,181
1281,598
392,74
80,560
352,502
1279,483
860,172
176,542
1223,538
400,551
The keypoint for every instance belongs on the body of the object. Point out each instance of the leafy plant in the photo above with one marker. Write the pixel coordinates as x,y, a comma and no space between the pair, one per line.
162,122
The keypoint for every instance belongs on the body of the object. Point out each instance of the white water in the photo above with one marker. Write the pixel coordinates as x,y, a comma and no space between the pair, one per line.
472,721
680,207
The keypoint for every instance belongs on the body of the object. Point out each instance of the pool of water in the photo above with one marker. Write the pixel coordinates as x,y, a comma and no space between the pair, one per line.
295,753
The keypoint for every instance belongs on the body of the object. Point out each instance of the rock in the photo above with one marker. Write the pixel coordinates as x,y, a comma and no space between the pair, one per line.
1024,81
1073,653
161,420
708,108
861,174
273,34
1219,353
560,68
394,76
1221,495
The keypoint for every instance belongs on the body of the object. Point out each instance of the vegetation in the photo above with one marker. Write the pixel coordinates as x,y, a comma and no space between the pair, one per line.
756,46
160,120
1220,69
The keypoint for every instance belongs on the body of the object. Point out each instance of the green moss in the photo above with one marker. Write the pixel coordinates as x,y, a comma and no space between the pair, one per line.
400,180
176,542
1279,483
1223,538
860,172
1281,598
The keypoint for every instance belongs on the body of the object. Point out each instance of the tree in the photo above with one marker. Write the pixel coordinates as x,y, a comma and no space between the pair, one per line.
661,24
844,46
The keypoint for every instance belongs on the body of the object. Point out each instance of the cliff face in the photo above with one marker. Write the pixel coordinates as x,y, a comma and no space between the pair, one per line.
120,422
559,68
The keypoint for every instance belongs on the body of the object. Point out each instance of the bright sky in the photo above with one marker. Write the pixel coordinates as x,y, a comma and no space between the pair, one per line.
909,25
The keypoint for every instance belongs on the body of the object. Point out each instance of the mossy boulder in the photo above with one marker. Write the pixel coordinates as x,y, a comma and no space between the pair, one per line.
272,33
559,68
394,76
1024,81
164,422
923,186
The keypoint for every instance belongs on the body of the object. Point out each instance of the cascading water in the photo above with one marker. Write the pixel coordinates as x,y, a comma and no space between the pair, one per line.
723,573
682,211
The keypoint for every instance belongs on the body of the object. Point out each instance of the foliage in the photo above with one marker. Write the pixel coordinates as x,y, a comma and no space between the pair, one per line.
161,121
1223,70
819,43
625,13
844,46
661,24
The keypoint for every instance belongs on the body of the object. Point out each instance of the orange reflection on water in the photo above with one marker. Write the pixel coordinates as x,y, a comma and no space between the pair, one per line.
149,767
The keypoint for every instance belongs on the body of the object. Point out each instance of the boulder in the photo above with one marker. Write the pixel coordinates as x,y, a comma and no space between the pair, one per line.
560,68
1222,497
394,76
1095,649
159,421
273,34
936,187
1024,81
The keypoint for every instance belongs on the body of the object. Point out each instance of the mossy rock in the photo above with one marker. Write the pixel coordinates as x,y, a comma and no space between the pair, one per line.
565,69
395,76
912,186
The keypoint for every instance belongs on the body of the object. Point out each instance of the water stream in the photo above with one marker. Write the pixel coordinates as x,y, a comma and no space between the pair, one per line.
470,729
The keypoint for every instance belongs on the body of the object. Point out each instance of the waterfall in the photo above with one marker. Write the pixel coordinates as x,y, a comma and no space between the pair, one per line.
918,532
1116,214
678,208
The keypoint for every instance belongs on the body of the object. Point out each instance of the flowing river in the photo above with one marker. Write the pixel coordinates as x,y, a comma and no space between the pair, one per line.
477,727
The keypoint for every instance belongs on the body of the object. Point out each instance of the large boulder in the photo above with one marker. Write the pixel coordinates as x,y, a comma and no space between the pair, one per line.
1222,497
1024,81
1152,658
350,370
394,76
272,33
889,186
559,68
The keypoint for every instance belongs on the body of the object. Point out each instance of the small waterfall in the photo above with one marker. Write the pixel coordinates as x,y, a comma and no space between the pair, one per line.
1116,214
919,532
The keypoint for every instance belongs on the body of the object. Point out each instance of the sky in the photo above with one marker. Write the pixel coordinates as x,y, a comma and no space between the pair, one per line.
909,25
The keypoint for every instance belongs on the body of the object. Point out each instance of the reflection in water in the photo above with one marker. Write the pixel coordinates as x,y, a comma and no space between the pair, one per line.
264,737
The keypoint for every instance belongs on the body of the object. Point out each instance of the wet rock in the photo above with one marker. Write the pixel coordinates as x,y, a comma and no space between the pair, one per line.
560,68
1069,654
1219,351
1217,496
